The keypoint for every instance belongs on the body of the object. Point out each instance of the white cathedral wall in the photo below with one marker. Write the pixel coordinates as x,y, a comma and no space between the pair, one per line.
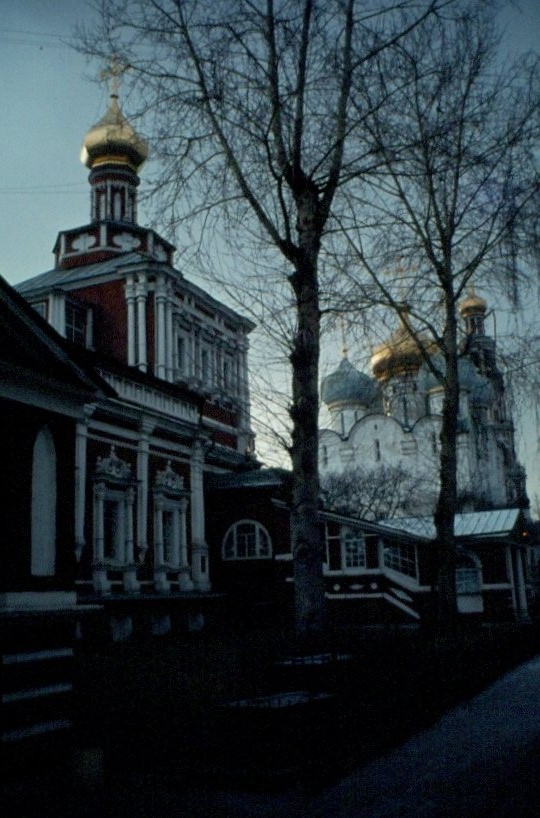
379,439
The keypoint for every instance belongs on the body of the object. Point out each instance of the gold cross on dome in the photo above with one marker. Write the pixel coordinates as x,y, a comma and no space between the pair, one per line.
113,74
344,348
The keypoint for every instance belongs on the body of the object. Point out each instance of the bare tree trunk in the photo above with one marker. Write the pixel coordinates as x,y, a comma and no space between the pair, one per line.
310,614
446,613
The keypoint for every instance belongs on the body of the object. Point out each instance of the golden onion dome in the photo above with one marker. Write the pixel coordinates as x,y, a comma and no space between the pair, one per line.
113,140
400,355
472,304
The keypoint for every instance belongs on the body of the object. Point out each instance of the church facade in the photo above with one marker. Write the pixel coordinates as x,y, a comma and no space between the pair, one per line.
174,404
159,433
390,422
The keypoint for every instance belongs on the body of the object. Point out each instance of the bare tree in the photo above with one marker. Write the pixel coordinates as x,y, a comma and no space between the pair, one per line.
250,107
376,493
454,200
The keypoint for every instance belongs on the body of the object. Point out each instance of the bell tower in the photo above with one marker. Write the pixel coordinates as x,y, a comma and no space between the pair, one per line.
114,153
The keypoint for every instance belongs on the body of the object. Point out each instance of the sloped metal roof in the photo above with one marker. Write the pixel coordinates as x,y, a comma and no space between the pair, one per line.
61,276
468,524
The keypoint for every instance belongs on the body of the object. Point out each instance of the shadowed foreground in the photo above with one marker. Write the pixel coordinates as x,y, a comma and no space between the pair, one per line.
480,759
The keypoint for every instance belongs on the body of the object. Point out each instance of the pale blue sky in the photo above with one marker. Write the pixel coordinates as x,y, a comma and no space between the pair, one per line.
48,102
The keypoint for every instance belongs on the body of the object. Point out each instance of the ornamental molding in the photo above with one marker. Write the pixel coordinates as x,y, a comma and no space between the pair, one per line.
113,466
167,478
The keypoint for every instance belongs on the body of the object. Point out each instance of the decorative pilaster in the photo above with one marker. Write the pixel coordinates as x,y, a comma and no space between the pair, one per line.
169,338
131,323
141,294
185,581
130,572
81,439
245,438
521,591
199,548
99,571
160,569
143,451
161,329
170,557
192,355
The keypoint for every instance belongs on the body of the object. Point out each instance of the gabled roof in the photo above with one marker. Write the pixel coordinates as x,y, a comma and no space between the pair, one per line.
468,524
29,344
75,277
60,276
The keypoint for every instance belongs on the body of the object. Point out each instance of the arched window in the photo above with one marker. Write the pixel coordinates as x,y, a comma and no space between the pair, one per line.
468,573
43,505
247,540
468,582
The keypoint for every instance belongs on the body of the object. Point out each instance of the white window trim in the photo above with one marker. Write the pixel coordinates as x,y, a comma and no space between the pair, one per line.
356,569
258,556
396,571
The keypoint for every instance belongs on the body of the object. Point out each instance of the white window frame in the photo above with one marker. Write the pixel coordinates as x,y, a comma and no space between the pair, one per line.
348,536
181,355
116,499
397,557
262,544
342,536
78,330
468,574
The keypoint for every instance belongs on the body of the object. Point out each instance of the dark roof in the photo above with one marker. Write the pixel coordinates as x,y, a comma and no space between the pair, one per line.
254,478
29,343
61,278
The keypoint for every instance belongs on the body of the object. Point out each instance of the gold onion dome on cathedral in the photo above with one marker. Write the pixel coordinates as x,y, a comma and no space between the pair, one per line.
113,140
472,304
400,354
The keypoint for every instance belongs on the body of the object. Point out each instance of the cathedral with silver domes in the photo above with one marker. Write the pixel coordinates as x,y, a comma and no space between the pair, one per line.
393,418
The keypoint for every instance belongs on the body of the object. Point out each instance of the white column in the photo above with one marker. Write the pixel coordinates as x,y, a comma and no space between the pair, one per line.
245,385
130,497
141,291
160,328
159,556
169,338
214,364
245,437
131,324
198,354
81,438
238,372
99,546
192,365
130,572
199,548
99,571
160,572
511,576
175,555
146,428
521,591
185,582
